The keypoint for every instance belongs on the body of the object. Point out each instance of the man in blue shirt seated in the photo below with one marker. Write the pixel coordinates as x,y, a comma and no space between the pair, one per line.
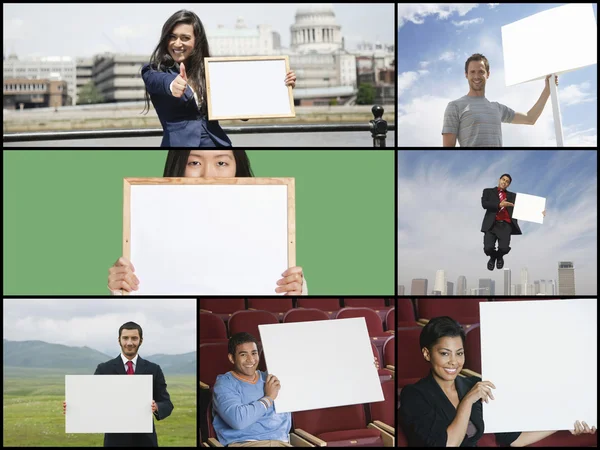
243,411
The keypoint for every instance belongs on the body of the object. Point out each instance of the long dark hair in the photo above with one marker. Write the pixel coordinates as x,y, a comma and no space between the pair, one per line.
177,161
194,69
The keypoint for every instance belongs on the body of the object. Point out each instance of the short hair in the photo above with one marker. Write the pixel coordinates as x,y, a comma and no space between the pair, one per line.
177,161
440,327
131,326
506,175
477,57
239,339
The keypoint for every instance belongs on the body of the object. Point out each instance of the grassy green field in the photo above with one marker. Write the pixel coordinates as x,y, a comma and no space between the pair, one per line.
33,411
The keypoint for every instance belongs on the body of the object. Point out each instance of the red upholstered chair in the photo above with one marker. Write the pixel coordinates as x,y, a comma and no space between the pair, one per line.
384,374
567,440
304,315
222,307
374,325
473,348
343,426
389,352
410,364
248,321
390,320
406,310
213,361
278,306
376,304
212,328
330,305
463,310
384,411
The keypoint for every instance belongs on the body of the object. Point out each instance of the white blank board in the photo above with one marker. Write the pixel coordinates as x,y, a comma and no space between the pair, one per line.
209,239
336,363
541,356
247,89
529,208
108,404
553,41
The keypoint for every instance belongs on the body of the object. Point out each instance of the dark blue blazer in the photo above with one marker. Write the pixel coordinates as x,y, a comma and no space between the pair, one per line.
183,123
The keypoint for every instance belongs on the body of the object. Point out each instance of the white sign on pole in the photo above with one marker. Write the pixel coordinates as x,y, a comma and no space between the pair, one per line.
529,208
337,363
108,404
542,358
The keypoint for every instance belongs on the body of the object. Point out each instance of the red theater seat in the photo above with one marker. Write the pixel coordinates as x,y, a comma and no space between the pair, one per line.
222,307
473,348
384,374
463,310
212,328
389,352
304,315
406,311
410,364
390,320
278,306
384,411
213,361
376,304
374,325
330,305
248,322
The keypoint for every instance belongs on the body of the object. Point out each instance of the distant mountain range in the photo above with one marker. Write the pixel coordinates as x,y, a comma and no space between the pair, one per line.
43,355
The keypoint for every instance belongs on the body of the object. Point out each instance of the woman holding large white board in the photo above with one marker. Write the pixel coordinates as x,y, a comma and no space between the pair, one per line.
176,84
204,164
445,410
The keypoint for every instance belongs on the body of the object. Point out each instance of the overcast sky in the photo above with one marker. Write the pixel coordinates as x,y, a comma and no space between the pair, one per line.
435,40
440,215
84,29
169,326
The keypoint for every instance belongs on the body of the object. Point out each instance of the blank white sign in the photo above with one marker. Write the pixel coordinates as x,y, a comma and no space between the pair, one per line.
529,208
108,404
321,364
209,239
553,41
246,88
541,356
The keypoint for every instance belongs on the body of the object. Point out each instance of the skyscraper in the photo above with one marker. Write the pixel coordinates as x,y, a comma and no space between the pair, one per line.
513,289
440,281
461,285
507,281
536,287
487,287
400,289
551,287
418,286
566,278
524,280
449,288
543,287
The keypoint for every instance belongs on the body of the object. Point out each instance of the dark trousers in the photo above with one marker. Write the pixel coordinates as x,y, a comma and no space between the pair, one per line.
500,231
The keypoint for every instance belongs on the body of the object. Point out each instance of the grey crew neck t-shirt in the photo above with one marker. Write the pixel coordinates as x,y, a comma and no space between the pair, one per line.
476,121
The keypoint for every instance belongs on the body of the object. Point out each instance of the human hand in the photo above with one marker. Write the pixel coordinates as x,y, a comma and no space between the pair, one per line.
291,283
154,406
548,80
121,276
582,428
544,213
376,364
64,407
272,387
482,390
504,204
180,83
290,79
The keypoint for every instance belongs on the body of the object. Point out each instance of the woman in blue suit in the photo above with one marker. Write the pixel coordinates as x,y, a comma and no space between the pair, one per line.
176,85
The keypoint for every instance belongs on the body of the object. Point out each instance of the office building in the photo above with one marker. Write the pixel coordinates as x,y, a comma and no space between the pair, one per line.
507,280
440,281
418,286
566,278
487,287
400,289
449,288
524,280
461,285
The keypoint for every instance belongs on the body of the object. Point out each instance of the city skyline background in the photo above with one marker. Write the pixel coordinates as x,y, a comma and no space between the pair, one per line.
435,40
42,30
440,215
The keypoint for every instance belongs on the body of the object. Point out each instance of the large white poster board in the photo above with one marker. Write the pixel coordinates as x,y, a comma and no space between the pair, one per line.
337,365
202,236
529,208
108,404
542,358
553,41
248,87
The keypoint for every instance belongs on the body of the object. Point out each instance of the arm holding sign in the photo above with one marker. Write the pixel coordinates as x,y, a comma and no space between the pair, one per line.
530,437
534,113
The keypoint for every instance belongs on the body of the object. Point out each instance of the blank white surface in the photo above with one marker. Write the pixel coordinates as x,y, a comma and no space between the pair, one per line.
541,356
248,89
552,41
209,239
321,364
108,404
529,208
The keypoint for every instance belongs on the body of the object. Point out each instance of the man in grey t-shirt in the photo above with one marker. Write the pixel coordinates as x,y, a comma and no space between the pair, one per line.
474,120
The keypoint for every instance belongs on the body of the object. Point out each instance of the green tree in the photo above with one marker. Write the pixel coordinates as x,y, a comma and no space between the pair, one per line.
366,94
89,93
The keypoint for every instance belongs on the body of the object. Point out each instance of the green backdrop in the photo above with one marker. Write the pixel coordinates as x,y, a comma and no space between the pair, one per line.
63,216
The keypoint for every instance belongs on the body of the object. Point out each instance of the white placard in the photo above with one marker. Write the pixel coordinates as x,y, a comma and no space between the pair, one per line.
553,41
209,239
541,356
248,88
337,365
529,208
108,404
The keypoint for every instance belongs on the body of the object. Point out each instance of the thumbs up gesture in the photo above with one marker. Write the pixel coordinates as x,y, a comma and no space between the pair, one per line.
180,83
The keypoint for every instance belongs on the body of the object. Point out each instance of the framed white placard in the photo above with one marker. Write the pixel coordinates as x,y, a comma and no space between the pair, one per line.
337,365
251,87
542,358
108,404
209,236
529,208
555,41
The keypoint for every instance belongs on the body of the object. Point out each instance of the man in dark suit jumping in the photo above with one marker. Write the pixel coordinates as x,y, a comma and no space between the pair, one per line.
130,363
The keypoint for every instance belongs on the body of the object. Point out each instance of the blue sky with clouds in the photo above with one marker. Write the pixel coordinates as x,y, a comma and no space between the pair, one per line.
434,41
440,214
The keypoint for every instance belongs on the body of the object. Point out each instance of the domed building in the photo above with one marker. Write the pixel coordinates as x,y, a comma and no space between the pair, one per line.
316,30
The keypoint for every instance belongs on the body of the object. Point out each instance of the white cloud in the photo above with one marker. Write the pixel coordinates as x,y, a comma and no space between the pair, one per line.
417,12
407,79
447,56
575,94
493,5
424,64
466,23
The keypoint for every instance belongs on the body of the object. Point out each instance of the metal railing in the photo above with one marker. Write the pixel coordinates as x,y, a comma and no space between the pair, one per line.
378,127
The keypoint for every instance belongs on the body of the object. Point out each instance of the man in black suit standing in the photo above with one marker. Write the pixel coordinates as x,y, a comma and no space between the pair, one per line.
130,363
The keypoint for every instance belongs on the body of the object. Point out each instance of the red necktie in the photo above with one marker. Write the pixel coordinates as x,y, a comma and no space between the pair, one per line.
502,198
129,368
